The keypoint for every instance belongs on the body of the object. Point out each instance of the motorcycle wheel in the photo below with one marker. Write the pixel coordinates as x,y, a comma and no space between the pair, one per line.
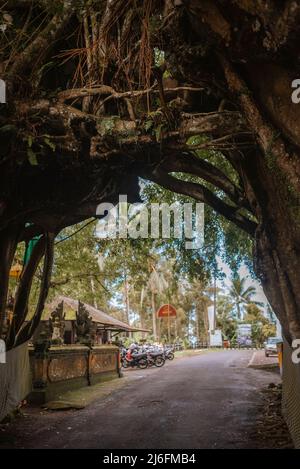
142,364
170,356
125,363
159,361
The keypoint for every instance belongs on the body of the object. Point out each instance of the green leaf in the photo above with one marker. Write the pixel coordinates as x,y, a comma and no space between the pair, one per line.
5,129
30,141
148,125
50,144
32,157
158,132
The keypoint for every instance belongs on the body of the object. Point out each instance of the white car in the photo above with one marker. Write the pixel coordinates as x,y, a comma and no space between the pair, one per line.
271,346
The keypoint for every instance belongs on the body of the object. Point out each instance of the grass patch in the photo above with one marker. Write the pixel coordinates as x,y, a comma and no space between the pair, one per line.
193,352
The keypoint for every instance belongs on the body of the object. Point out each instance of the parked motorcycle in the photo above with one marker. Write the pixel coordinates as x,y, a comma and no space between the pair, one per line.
156,359
169,354
145,355
138,360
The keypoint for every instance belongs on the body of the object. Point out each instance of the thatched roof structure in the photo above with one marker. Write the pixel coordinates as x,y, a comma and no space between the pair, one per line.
98,316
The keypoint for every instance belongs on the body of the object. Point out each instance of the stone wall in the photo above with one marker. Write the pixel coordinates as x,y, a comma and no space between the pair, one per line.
63,368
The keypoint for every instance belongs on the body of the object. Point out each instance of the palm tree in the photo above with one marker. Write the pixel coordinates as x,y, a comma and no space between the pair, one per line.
157,284
241,295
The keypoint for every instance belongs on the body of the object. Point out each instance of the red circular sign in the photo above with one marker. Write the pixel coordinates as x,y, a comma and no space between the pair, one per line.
166,311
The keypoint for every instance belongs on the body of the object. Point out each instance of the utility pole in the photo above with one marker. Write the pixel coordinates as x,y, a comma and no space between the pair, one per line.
215,301
154,315
126,293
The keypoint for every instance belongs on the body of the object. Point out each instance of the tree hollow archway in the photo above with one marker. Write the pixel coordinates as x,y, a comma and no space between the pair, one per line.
99,93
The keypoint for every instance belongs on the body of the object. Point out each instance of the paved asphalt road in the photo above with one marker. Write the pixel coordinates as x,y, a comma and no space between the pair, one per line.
204,401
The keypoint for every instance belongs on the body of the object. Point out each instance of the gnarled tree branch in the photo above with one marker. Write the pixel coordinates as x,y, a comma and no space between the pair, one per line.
27,331
23,291
190,164
202,194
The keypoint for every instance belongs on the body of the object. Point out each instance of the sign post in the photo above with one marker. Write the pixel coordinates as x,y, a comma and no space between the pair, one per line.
167,311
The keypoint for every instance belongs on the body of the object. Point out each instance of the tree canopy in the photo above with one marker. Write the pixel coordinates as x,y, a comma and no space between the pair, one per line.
100,93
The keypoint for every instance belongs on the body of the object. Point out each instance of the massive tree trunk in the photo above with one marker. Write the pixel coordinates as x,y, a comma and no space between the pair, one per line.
271,178
277,257
90,108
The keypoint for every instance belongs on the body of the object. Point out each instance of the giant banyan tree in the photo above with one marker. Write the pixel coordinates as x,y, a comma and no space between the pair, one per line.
101,92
